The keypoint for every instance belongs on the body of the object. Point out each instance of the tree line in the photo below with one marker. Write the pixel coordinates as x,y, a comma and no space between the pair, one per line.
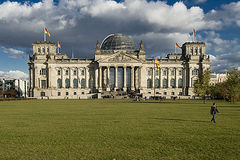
228,90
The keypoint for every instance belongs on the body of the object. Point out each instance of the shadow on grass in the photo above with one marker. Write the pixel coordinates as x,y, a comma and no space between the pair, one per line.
181,120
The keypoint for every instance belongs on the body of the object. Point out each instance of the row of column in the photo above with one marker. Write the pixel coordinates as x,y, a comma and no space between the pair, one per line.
99,77
168,78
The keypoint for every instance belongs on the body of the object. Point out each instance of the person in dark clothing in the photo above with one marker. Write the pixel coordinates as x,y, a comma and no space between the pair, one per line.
214,111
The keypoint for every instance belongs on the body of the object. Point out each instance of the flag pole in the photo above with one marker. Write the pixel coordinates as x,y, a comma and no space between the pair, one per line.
175,49
58,47
44,35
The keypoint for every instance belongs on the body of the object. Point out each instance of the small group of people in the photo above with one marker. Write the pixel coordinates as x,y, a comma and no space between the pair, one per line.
213,112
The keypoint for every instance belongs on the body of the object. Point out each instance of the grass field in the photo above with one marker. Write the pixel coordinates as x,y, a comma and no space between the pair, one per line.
115,129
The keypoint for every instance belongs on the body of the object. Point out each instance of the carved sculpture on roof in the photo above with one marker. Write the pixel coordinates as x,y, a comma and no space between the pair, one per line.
98,45
141,45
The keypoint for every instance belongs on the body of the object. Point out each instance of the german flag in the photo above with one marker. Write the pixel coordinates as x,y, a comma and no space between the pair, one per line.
156,62
46,32
178,46
59,45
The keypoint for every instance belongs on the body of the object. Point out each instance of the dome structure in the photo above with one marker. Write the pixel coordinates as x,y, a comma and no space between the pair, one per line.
118,42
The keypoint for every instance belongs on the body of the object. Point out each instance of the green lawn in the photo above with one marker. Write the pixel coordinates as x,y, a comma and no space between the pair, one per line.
115,129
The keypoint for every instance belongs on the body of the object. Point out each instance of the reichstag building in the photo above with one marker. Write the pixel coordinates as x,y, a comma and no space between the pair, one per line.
117,69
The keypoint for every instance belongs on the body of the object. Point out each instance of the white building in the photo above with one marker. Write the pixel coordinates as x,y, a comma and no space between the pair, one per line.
217,78
117,66
17,84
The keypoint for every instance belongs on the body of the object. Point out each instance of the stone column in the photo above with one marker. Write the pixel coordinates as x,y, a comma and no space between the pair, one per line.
96,78
160,78
100,77
35,77
30,76
168,78
78,84
87,76
124,78
176,78
70,77
62,77
190,77
49,85
116,77
139,77
153,78
132,78
108,78
136,78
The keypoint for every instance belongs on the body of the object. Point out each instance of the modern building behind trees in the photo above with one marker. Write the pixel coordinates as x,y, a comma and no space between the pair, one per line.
11,87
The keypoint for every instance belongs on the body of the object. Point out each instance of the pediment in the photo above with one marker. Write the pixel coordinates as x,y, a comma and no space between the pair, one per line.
119,58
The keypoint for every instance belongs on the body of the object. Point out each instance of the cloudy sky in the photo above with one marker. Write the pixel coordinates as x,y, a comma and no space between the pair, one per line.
78,24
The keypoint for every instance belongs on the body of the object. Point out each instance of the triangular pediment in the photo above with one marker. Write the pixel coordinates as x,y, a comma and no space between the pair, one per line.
119,58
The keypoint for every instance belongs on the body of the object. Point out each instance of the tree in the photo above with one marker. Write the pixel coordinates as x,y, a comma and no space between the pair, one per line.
218,90
233,85
202,87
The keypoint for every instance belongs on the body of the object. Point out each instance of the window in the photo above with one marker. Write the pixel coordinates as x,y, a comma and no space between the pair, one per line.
172,83
165,93
173,93
149,83
180,83
67,83
59,83
82,73
83,83
150,72
66,93
47,50
74,72
165,72
180,72
59,93
200,50
39,50
42,94
195,72
180,94
157,72
59,72
172,72
75,93
196,51
66,72
43,50
75,83
165,85
82,92
43,72
192,51
43,84
157,83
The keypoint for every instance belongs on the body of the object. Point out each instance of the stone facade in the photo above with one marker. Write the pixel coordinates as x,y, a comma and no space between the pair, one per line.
116,67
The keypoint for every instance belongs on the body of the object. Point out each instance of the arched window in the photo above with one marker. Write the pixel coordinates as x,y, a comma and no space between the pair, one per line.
59,83
75,83
180,83
43,50
150,72
192,51
67,83
165,84
149,83
172,83
82,73
39,50
157,83
47,50
200,50
83,84
172,72
196,51
195,72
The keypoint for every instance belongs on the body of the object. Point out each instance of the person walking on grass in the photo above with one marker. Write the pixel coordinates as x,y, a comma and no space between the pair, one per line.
214,111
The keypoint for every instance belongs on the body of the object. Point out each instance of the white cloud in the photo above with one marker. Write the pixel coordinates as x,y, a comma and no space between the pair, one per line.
14,74
14,53
200,1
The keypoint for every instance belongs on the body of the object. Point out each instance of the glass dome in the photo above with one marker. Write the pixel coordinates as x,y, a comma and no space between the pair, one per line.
118,42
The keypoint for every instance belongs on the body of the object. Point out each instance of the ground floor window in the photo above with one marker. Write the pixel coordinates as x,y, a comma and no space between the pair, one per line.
66,93
75,93
42,94
59,93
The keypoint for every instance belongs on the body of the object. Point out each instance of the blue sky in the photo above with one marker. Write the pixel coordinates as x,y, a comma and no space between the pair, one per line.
78,24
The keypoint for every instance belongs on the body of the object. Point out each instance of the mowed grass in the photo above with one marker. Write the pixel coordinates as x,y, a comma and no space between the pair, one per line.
118,129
